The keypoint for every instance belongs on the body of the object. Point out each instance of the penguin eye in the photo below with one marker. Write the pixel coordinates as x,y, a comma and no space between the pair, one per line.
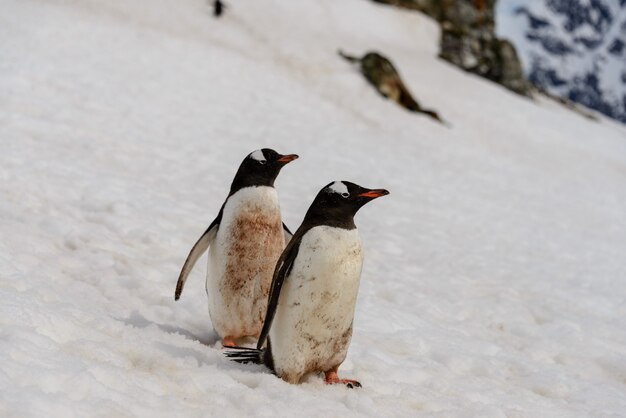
345,195
263,162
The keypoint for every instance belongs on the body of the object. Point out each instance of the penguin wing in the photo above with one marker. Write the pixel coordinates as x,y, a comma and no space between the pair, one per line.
288,234
196,251
283,267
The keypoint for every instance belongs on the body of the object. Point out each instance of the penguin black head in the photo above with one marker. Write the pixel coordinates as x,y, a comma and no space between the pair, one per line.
260,168
338,202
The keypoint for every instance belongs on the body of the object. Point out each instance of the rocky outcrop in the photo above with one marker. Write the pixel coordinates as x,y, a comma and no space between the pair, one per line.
468,39
574,49
381,73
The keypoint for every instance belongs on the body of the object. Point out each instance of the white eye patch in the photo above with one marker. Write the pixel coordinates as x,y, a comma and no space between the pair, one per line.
258,155
339,187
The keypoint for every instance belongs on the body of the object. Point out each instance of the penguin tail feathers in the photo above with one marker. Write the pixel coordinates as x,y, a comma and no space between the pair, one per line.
245,355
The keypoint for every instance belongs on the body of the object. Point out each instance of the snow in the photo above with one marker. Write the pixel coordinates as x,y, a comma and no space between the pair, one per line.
494,277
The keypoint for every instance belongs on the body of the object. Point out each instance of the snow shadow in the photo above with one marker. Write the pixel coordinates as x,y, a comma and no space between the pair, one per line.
139,321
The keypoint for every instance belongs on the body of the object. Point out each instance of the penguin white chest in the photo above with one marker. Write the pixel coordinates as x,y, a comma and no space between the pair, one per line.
241,261
313,323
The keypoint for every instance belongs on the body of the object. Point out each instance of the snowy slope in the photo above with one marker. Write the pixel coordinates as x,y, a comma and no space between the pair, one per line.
494,277
573,49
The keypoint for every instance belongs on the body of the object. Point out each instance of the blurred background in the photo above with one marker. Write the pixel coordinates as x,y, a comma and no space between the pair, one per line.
572,49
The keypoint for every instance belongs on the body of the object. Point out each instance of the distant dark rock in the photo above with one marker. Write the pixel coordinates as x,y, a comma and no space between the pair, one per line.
551,44
587,92
468,39
596,14
382,74
617,47
546,77
533,21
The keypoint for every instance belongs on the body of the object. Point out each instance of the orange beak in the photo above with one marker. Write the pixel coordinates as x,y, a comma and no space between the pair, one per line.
287,158
373,194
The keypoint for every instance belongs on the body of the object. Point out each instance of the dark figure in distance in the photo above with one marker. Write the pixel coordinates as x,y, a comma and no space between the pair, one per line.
218,8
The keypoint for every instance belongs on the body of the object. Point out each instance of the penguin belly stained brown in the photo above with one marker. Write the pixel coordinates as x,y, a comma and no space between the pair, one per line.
244,242
242,260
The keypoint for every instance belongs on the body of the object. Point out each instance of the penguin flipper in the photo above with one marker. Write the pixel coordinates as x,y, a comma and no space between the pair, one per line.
283,267
288,234
196,251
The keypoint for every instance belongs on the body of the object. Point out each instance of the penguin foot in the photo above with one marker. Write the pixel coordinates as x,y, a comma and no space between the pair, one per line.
331,378
228,342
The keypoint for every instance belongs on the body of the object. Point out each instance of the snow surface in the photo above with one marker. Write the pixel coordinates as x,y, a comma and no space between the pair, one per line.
494,281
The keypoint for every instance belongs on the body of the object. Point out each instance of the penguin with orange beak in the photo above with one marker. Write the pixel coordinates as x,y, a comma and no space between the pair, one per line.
244,241
308,325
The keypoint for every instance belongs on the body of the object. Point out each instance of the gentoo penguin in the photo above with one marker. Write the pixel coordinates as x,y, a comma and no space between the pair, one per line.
309,317
244,242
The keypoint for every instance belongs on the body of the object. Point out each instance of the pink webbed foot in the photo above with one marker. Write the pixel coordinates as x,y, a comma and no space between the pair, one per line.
331,378
228,342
